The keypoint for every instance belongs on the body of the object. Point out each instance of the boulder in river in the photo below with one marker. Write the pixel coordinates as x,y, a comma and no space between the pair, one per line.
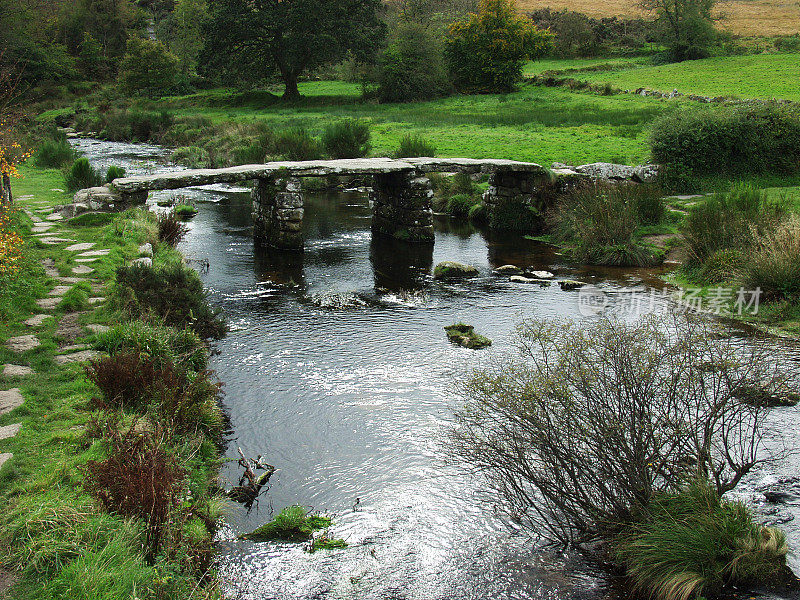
508,270
758,395
454,270
539,274
464,335
523,279
570,284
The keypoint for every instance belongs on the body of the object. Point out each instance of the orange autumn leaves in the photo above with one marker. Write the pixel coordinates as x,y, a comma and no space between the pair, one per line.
10,244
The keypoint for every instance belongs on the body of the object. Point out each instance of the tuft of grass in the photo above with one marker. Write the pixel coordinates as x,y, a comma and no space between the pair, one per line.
82,175
774,265
292,524
413,145
185,211
76,298
347,139
114,172
54,154
163,344
692,543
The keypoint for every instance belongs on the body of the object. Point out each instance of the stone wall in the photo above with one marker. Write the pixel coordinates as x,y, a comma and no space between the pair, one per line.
278,213
514,198
402,207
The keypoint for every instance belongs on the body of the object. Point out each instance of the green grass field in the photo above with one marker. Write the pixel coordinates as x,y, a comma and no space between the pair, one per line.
752,76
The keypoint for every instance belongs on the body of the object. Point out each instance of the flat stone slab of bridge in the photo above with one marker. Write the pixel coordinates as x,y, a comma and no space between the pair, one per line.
318,168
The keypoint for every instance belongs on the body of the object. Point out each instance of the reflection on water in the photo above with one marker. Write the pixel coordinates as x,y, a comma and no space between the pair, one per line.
338,372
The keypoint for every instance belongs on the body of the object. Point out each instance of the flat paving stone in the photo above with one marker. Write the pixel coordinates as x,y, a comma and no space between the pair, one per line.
96,300
22,343
37,320
16,371
82,270
10,399
4,458
59,290
55,217
50,267
85,260
83,356
103,252
70,280
9,431
81,246
36,229
48,303
52,241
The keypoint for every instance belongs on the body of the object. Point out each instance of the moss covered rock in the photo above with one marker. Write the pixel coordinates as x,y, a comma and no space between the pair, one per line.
464,335
454,270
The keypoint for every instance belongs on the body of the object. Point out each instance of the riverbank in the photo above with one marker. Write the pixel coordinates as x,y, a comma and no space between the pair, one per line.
55,538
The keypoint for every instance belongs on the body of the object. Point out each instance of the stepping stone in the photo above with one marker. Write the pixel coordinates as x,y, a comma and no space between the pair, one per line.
83,356
94,253
10,399
4,458
52,241
41,228
79,247
57,190
96,300
82,270
48,303
50,267
85,260
59,290
71,280
69,329
23,343
37,320
9,431
25,197
97,328
55,217
73,348
16,371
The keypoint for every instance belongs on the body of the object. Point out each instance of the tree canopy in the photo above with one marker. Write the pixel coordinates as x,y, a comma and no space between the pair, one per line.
256,38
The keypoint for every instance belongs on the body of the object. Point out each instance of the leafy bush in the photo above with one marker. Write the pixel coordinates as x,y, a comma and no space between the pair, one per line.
347,139
181,347
54,154
171,230
729,140
148,68
114,172
486,51
192,156
138,478
693,544
598,221
172,293
82,175
414,145
412,67
297,144
774,265
729,221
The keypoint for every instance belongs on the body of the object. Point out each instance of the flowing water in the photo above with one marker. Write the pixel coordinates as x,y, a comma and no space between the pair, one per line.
337,371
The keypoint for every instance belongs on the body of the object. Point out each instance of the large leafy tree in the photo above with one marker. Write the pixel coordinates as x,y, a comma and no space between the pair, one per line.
257,37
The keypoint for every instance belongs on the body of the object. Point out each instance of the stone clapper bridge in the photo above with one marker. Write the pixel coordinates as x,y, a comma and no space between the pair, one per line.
401,192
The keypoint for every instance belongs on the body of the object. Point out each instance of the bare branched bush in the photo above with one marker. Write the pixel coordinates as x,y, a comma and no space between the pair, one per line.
580,429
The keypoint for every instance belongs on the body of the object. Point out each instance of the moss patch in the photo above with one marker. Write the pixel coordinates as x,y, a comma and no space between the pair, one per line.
464,335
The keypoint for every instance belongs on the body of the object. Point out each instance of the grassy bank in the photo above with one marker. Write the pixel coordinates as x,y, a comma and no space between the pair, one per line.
57,539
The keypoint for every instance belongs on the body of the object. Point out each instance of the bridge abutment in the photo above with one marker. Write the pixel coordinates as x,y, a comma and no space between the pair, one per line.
278,213
511,192
402,206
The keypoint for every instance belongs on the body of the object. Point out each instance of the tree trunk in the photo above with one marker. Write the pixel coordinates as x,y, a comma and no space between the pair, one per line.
291,93
5,190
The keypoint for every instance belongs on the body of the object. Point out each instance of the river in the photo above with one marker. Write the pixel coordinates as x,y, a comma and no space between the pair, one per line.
338,372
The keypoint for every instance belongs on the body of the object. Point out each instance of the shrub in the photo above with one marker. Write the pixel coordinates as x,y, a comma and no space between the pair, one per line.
460,205
192,156
650,204
478,213
347,139
114,172
138,478
485,52
730,140
181,347
54,154
188,402
123,379
414,145
148,68
692,544
172,293
729,221
82,175
788,43
544,426
171,230
597,222
722,265
412,67
297,144
774,265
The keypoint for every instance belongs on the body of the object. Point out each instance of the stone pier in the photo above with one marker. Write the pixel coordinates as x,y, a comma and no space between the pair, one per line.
278,213
402,207
511,192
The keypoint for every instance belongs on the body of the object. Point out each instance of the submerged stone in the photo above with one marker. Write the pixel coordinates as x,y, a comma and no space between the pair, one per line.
454,270
508,270
465,336
570,284
759,396
523,279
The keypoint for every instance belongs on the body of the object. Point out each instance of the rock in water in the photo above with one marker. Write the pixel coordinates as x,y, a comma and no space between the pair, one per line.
464,335
508,270
454,270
